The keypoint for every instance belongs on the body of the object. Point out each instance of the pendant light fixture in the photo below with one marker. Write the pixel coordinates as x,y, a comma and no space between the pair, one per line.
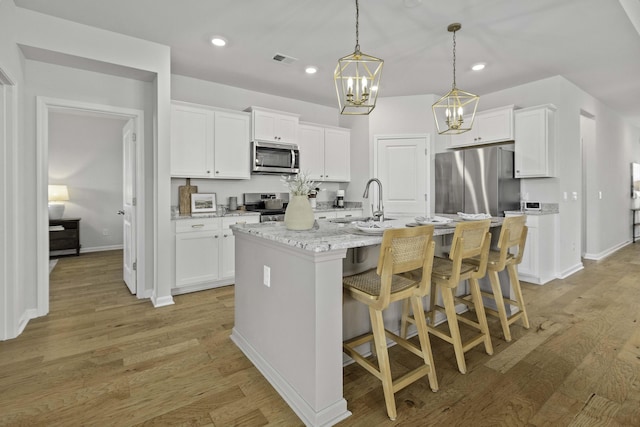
454,113
357,79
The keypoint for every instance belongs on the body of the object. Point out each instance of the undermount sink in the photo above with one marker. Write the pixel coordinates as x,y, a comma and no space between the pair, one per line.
356,218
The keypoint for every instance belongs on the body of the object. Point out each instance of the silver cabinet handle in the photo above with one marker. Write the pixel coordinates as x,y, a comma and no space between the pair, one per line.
197,226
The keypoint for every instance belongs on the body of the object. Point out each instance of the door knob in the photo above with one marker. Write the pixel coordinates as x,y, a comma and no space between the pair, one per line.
120,212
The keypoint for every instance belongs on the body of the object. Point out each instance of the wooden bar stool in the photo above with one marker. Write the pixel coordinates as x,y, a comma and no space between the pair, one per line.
470,239
513,236
402,250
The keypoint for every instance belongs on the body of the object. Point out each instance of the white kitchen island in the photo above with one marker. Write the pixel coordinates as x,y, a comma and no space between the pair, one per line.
289,310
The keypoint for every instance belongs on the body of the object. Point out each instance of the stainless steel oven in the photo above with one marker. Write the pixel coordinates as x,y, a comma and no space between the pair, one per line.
270,205
275,157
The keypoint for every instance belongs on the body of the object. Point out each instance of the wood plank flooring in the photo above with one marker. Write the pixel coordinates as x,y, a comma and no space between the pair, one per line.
103,357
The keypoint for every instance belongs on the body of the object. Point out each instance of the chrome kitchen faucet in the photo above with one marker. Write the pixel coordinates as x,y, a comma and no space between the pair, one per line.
379,213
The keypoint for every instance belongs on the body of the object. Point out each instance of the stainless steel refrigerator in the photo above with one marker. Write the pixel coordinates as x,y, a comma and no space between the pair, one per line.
476,180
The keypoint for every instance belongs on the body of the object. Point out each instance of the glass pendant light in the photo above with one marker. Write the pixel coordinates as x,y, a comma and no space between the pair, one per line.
454,113
357,79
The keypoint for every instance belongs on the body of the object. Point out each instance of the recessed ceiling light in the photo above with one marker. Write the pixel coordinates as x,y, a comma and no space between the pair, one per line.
218,41
311,69
479,66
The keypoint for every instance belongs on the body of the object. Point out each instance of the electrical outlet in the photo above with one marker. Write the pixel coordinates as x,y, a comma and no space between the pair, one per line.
105,231
267,276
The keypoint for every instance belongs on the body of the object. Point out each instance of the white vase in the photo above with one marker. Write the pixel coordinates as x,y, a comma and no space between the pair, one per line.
299,215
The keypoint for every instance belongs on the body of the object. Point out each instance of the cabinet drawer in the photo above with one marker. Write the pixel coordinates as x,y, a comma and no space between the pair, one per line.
245,219
63,235
197,224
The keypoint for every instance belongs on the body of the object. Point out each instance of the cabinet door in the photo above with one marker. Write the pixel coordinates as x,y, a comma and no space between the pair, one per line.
264,126
191,142
467,138
495,126
227,255
228,244
311,146
197,257
337,153
534,136
232,146
287,128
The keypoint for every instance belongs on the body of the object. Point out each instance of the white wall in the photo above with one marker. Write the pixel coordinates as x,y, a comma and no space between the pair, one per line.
85,154
13,306
56,81
72,40
617,144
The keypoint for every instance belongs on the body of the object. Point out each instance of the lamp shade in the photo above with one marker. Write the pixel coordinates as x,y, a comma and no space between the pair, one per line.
58,193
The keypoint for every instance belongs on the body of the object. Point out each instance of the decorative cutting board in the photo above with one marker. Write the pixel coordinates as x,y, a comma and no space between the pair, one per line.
184,192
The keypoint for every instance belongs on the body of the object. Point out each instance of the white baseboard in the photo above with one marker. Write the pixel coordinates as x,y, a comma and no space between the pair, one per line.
328,416
607,252
101,248
569,271
87,250
161,302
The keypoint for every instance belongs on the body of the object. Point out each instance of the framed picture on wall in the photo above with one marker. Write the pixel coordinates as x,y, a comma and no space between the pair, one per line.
203,202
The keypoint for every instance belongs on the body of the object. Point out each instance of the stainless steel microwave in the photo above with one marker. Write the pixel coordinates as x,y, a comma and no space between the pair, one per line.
275,157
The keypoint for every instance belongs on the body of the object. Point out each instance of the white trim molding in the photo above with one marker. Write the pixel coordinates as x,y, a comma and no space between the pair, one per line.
12,307
46,105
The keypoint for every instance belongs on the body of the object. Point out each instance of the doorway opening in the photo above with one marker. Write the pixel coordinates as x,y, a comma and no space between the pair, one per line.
132,179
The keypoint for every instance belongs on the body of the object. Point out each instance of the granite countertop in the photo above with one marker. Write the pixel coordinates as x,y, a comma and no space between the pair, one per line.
214,215
327,235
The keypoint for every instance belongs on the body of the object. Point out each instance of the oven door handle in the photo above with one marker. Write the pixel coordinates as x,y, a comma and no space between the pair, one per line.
293,159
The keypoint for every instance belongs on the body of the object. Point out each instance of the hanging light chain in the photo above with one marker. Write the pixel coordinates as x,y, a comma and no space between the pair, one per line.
454,60
357,50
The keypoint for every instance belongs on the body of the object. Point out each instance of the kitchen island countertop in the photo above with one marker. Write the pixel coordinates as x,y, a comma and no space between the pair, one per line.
327,235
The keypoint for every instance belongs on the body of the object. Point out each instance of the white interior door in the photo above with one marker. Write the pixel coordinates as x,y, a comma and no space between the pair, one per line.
129,205
402,167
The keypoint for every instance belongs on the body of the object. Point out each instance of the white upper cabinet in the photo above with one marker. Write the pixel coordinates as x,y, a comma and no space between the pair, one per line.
325,152
535,142
209,143
191,141
337,154
311,145
232,150
276,126
490,126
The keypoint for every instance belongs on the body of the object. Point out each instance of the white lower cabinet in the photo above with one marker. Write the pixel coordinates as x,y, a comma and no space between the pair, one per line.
538,260
205,252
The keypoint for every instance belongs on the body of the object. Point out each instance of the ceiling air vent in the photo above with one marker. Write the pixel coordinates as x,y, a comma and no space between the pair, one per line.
278,57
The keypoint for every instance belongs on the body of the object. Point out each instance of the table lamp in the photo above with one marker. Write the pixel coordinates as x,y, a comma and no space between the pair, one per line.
58,194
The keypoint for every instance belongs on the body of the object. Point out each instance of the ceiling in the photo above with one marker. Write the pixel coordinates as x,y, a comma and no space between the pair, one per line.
592,43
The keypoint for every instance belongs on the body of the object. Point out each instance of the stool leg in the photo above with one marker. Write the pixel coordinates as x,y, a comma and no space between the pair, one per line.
432,304
515,283
380,340
502,310
425,344
454,330
404,324
482,317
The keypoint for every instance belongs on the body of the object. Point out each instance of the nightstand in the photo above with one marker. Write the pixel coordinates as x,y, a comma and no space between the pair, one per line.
64,234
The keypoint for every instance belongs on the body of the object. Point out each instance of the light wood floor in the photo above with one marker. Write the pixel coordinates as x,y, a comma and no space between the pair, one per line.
102,357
